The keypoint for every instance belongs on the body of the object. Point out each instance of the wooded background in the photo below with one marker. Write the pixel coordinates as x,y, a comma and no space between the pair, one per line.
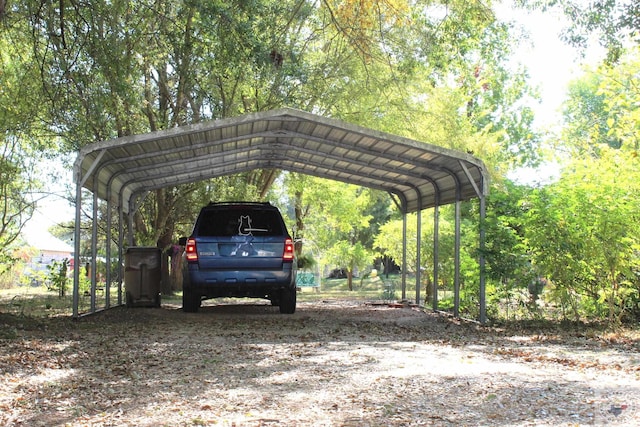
75,72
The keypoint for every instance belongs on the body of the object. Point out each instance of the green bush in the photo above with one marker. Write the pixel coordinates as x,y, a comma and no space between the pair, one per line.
306,262
57,276
7,280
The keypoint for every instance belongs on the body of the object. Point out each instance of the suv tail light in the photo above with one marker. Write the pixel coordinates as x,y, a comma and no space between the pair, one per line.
288,250
190,250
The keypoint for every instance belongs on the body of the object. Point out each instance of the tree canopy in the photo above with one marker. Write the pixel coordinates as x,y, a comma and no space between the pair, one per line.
438,71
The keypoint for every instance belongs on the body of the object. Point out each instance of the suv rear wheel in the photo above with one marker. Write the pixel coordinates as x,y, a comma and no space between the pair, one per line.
190,301
287,301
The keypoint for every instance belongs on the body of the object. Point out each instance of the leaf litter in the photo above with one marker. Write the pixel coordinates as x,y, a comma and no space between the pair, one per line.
333,363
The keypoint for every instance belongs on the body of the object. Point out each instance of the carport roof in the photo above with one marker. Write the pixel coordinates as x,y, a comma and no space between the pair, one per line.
420,174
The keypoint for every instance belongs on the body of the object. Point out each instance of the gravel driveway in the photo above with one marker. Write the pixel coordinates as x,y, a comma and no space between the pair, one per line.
333,363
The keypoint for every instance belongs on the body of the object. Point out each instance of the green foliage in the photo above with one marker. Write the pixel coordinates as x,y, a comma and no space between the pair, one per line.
585,116
335,219
353,256
7,279
507,253
614,23
116,68
584,233
389,291
306,262
590,215
21,143
57,276
389,242
620,88
436,72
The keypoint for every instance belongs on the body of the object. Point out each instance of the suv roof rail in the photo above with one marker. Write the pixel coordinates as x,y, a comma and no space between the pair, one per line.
240,203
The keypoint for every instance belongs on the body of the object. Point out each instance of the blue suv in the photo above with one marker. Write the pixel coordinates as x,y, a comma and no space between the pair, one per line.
239,249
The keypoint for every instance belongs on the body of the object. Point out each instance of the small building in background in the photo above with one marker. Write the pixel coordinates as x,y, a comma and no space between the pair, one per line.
47,250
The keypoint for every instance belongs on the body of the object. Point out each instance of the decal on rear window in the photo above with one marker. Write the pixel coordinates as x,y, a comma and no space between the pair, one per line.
245,228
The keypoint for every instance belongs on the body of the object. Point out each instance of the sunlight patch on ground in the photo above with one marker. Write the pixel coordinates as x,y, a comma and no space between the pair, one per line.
50,376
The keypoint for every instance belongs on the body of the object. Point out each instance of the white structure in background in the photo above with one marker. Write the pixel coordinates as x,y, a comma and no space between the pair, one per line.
49,250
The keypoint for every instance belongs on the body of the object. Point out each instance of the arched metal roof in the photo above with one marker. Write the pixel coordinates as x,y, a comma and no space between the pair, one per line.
422,175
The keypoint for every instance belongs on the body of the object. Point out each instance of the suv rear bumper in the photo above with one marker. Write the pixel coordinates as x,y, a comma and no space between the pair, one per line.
234,283
236,291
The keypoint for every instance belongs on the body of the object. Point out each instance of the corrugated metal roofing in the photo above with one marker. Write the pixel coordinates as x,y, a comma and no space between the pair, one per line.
422,175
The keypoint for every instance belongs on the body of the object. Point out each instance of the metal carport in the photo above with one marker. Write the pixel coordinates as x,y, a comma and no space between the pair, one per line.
122,171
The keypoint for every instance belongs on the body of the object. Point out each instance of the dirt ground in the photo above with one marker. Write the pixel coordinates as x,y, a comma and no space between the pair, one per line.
333,363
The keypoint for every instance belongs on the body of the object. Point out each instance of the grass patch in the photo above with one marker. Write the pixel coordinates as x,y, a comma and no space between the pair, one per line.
37,301
368,289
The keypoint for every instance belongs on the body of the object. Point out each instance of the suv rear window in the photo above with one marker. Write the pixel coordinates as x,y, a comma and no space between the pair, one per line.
232,222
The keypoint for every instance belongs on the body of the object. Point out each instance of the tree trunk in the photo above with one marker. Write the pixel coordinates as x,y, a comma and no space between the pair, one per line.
299,221
175,273
164,228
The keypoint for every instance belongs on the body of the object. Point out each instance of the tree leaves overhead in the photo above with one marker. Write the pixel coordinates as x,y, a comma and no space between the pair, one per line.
602,108
25,139
430,70
176,62
620,88
614,24
366,23
114,68
74,73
